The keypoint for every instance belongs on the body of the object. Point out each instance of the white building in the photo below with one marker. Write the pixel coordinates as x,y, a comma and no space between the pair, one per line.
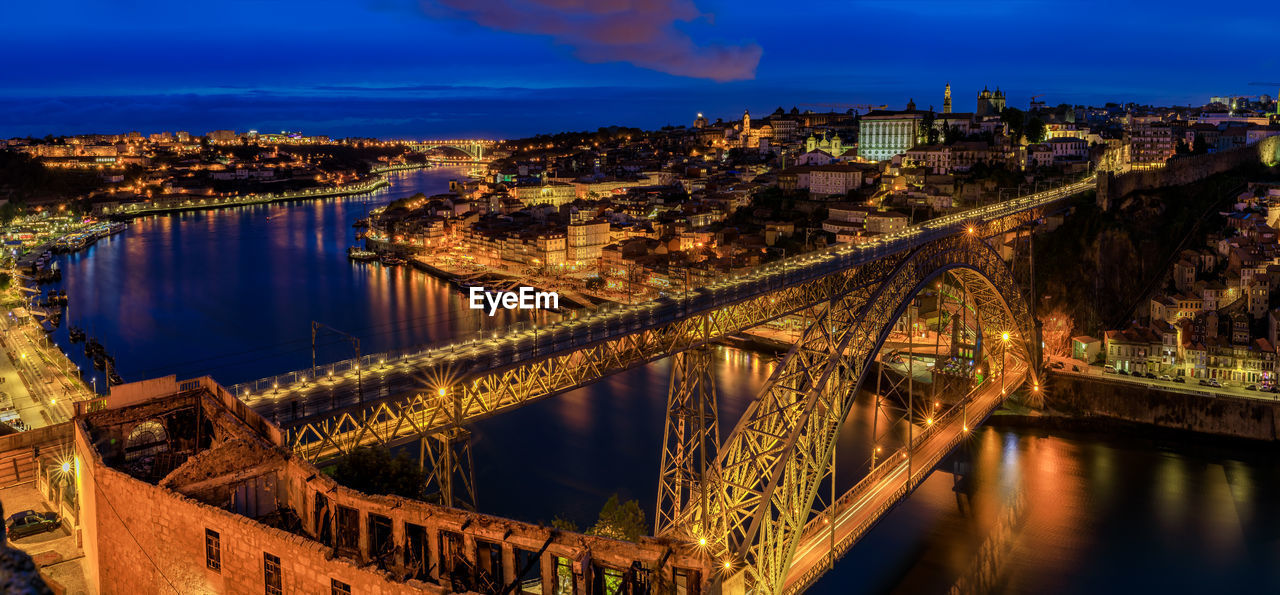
835,178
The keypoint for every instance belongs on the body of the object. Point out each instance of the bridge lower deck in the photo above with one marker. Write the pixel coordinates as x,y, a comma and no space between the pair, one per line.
860,508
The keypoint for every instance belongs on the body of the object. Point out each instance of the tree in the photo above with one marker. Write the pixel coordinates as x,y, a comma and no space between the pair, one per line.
373,470
930,131
1035,129
619,520
1014,119
562,524
952,134
1199,146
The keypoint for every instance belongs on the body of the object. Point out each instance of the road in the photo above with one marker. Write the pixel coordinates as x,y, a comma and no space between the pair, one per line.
1191,386
858,509
39,378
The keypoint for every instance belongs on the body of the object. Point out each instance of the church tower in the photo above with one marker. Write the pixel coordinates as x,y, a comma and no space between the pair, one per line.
946,100
746,122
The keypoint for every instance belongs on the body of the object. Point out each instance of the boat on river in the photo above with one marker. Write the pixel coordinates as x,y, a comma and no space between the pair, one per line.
355,253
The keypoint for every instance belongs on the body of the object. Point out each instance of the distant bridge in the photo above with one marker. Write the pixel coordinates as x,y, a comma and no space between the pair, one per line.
475,150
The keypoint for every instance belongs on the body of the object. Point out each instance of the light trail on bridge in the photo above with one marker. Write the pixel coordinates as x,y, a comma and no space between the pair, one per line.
863,505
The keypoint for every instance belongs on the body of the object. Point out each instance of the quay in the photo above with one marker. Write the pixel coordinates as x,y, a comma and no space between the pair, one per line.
200,204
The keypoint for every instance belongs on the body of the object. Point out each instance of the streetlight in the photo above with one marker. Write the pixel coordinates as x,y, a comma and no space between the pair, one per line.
1004,353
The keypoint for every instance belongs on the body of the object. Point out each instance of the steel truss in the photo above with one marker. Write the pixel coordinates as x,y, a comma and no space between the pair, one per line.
770,467
478,389
451,474
453,398
691,437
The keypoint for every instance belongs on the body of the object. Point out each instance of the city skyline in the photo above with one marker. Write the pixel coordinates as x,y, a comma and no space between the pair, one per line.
395,69
622,297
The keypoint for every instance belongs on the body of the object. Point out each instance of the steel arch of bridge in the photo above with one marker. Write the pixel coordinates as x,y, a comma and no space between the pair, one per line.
473,149
765,479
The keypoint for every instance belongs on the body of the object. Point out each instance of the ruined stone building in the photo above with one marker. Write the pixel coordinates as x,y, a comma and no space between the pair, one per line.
184,488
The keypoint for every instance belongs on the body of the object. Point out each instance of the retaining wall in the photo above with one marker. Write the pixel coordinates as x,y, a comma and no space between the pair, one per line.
1241,417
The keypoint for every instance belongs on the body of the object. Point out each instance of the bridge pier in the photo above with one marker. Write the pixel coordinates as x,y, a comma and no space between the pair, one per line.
689,440
451,472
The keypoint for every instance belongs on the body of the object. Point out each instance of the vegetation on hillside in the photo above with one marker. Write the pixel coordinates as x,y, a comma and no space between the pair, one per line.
1094,270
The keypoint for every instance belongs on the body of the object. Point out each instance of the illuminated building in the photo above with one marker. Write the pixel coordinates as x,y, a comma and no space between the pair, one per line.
886,133
989,103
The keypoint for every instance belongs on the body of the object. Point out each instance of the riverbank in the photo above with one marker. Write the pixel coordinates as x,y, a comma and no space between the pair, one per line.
1055,422
132,210
1078,402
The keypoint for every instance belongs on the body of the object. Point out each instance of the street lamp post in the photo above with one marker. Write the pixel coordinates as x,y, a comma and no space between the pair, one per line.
1004,355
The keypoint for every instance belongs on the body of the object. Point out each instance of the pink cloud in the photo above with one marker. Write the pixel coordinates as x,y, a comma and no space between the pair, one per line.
639,32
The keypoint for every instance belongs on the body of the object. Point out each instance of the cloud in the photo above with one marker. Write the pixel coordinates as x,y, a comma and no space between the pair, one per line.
639,32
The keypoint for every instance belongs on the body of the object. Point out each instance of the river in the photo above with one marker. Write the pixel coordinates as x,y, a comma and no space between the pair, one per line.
232,293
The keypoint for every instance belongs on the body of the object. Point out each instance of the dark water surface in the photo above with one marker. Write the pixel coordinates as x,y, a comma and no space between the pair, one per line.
232,294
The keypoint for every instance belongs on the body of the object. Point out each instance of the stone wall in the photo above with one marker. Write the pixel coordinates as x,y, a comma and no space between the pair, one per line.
1207,413
143,538
1185,170
18,451
151,538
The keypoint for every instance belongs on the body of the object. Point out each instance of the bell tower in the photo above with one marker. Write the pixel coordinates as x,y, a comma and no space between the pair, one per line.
946,99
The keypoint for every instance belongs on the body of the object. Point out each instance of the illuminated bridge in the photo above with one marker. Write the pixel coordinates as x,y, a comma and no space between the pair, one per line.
746,501
475,150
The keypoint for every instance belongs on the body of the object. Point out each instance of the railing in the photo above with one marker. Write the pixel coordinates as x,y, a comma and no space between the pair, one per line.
725,290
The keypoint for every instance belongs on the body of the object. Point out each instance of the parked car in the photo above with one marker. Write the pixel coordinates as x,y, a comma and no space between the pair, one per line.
1109,369
1251,387
1122,372
30,522
1150,375
1214,383
1204,382
1057,365
1075,368
1166,377
1180,380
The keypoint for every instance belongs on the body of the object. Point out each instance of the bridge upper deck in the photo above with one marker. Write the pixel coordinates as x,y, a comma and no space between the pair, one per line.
297,399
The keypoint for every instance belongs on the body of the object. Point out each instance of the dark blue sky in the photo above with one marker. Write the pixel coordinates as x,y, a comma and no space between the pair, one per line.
504,68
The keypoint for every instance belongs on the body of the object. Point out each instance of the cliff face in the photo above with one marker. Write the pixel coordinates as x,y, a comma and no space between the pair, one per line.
1098,267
